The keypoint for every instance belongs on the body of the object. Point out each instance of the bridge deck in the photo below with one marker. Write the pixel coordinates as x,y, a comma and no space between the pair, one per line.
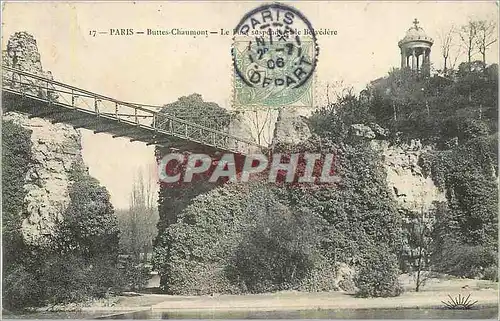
59,102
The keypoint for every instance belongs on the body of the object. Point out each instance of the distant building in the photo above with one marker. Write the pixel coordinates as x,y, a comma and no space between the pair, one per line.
416,50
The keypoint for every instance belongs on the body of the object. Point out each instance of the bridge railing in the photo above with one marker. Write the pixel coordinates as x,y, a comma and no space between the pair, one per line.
53,92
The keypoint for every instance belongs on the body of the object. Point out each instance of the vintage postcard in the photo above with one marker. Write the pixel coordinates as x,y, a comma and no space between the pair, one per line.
249,160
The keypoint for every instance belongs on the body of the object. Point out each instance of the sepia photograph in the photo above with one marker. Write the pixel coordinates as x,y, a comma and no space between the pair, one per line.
249,160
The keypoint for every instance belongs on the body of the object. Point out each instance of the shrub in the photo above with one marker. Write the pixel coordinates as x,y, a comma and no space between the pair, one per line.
199,278
70,278
491,273
54,278
21,289
327,275
464,260
135,275
472,128
276,253
66,279
378,275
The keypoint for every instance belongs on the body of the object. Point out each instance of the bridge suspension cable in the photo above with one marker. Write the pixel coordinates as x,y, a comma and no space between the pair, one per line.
86,109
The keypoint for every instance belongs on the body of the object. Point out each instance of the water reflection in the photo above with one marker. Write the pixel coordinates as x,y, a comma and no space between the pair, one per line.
482,313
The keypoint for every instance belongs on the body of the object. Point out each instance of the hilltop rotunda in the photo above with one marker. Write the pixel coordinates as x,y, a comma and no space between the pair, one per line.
416,49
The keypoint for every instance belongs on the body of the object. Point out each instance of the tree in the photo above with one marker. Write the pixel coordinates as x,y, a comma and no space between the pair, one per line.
275,253
138,223
468,38
81,262
90,227
485,37
335,119
333,91
194,109
446,37
465,234
262,122
418,227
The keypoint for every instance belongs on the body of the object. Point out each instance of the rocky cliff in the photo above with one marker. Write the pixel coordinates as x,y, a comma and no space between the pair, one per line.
405,179
239,128
55,148
411,189
291,127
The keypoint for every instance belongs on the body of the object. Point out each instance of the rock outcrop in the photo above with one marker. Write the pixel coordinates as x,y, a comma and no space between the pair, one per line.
361,131
291,128
370,131
239,128
55,148
405,179
22,54
411,189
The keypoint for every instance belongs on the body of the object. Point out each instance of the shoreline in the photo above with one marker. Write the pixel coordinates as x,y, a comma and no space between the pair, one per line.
321,301
283,301
430,297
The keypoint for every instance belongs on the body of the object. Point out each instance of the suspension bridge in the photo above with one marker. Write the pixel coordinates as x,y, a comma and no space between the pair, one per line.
59,102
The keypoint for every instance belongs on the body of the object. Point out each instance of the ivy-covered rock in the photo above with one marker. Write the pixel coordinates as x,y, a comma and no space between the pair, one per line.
81,261
204,235
260,237
16,157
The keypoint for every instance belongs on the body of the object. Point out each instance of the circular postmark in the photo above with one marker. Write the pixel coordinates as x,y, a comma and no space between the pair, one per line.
274,56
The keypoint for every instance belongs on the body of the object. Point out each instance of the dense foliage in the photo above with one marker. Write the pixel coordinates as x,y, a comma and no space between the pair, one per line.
192,108
236,239
459,115
89,227
258,238
80,261
182,245
436,109
16,156
465,236
279,248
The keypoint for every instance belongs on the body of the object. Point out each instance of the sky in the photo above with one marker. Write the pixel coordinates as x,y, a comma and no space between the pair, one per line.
160,69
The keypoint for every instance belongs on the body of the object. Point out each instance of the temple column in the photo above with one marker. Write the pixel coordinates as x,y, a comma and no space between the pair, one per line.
413,60
403,55
428,61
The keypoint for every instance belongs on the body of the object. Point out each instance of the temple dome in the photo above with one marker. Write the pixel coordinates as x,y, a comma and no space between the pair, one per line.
416,33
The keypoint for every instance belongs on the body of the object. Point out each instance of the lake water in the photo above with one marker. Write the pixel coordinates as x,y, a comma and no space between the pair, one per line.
482,313
479,313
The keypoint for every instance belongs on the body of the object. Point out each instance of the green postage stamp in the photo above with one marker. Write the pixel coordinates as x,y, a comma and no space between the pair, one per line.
274,57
